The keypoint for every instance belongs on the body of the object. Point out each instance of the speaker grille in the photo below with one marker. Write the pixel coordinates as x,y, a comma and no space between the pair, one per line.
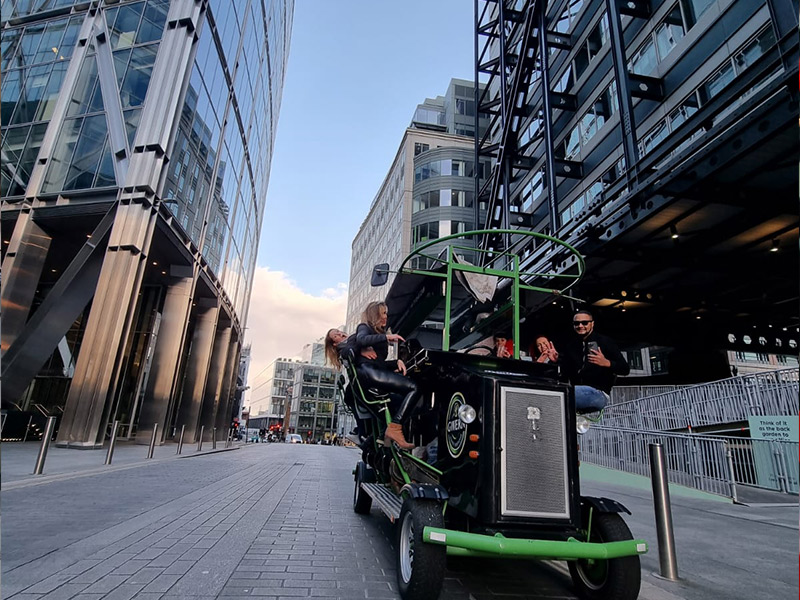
534,481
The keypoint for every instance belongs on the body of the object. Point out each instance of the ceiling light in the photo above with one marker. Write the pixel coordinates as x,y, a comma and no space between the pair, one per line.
155,264
775,245
674,232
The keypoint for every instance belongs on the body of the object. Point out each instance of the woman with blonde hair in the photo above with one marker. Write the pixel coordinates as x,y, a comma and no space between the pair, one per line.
378,372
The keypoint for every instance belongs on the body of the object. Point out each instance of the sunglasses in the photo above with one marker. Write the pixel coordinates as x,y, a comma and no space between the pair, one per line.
578,323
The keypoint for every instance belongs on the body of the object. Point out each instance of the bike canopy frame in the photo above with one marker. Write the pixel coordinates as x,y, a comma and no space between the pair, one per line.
514,274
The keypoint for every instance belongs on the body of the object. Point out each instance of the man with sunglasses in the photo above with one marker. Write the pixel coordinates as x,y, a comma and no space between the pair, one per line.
591,362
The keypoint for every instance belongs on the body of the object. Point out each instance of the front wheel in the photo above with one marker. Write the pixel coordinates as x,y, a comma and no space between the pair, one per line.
613,579
420,566
362,502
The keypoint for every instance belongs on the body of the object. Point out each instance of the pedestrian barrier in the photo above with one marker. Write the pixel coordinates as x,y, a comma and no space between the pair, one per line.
771,393
715,464
152,441
112,443
667,557
48,435
627,393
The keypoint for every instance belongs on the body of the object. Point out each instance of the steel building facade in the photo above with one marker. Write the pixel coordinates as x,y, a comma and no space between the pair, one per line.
659,138
137,138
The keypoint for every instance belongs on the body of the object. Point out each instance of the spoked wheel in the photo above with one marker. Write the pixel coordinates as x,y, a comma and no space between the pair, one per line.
420,566
613,579
362,502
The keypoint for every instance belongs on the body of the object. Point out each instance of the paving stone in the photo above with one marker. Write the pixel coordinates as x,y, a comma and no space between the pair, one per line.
146,575
162,583
179,567
66,591
126,591
150,553
106,583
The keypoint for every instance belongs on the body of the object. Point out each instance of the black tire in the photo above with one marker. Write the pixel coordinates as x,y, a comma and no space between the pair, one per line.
420,566
362,502
613,579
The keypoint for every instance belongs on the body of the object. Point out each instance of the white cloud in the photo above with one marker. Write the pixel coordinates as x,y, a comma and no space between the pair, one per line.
283,318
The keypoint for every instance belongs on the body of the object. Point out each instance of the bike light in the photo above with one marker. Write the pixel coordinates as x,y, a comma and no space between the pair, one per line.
466,413
582,424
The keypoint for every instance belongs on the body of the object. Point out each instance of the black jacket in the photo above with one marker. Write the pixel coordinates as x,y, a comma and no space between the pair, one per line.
581,372
366,337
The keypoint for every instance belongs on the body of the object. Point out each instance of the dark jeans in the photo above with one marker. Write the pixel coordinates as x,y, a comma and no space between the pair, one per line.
391,383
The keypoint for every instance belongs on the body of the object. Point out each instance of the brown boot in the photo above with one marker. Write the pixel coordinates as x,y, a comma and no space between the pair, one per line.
394,433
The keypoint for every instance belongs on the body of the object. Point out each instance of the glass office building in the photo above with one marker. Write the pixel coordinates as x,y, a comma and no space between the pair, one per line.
136,145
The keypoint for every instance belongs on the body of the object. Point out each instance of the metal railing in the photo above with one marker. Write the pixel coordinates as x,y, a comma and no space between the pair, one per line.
725,401
715,464
627,393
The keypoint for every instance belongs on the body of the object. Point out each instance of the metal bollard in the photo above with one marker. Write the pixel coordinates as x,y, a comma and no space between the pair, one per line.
667,559
180,439
113,441
48,433
152,442
229,441
729,457
213,438
200,439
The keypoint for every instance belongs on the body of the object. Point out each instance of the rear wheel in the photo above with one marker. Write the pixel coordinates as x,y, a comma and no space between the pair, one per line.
613,579
362,502
420,565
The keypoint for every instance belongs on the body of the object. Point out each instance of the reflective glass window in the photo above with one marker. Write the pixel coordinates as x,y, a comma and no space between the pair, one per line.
716,82
670,32
88,154
687,108
123,24
644,60
693,10
754,49
137,78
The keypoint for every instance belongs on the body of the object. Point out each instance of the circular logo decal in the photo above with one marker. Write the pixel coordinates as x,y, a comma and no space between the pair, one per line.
456,428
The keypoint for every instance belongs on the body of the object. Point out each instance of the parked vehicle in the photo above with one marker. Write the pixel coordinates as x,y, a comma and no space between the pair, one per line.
294,438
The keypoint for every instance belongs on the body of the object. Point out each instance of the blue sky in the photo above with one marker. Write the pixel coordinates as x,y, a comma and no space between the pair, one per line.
357,69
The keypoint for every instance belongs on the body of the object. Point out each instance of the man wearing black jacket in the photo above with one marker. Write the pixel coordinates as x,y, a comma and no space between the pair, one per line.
591,362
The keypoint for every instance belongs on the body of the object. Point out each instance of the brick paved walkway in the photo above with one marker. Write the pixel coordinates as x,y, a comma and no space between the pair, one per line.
275,521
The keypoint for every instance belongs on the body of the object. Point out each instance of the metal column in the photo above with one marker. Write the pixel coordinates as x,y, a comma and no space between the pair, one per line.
163,382
212,402
197,366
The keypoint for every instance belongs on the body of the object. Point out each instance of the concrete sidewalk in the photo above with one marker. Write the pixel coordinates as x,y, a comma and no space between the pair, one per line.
19,459
276,521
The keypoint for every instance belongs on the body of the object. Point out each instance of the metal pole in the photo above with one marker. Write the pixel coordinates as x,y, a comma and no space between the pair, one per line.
200,438
48,433
213,438
111,444
229,441
27,429
180,439
732,473
667,559
152,442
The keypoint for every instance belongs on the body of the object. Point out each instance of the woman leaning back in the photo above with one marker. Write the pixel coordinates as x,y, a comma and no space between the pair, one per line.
387,375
